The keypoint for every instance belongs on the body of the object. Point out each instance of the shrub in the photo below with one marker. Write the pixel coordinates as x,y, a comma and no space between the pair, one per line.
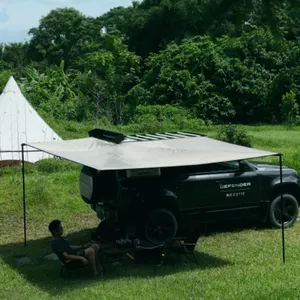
159,118
289,109
234,135
4,76
52,165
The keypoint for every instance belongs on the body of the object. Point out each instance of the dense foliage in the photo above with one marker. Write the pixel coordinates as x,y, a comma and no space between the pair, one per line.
215,61
235,135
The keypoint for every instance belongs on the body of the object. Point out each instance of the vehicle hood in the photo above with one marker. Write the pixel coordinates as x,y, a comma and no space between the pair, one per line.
271,167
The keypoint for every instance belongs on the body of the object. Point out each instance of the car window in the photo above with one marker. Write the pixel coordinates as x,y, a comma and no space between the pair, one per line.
231,166
186,170
227,166
191,170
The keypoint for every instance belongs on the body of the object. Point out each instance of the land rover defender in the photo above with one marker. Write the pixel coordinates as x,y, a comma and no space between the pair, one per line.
163,203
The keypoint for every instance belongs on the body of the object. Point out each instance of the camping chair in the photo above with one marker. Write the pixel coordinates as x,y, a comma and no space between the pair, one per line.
68,265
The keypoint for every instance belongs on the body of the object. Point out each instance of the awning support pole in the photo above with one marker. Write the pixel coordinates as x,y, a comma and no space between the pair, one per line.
24,199
282,209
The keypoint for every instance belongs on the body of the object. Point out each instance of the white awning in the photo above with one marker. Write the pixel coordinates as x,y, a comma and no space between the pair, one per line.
103,155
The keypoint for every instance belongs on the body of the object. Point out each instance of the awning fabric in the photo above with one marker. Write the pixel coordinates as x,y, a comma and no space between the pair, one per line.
103,155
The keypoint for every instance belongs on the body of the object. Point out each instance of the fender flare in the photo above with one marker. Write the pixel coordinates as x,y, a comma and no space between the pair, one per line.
291,187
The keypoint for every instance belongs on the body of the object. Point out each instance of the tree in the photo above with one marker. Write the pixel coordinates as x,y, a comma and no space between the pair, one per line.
182,75
13,58
56,92
269,10
117,70
150,25
60,36
217,58
4,77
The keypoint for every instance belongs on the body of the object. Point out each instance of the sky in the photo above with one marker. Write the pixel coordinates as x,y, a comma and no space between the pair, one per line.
18,16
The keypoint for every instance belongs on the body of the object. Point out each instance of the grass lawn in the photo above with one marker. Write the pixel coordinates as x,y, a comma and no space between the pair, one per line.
240,263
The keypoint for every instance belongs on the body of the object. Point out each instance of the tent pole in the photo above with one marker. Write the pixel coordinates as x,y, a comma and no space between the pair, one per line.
24,199
282,209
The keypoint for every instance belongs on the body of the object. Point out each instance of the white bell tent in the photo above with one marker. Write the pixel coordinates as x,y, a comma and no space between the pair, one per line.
20,123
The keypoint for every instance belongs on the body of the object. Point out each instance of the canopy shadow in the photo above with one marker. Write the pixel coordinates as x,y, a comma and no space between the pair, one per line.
231,226
45,274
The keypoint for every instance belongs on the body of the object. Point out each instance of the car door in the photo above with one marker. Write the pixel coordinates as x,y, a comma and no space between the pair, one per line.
194,189
235,186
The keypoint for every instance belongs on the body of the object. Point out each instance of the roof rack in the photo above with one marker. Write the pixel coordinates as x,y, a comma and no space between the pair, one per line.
117,138
161,136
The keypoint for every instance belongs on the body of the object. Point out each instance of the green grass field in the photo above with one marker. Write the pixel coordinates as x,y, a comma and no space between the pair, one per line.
241,263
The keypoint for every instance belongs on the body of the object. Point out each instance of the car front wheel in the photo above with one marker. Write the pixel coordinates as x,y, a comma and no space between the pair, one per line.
290,211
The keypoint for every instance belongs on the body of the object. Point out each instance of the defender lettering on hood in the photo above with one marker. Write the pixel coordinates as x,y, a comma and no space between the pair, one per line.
235,185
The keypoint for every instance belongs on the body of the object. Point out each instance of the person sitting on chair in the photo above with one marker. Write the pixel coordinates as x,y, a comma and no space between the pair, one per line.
87,254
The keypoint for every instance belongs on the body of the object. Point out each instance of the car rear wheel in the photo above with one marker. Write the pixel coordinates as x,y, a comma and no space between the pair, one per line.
160,226
290,211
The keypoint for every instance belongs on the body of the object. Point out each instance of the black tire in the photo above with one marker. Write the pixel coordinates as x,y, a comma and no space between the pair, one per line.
290,213
160,226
